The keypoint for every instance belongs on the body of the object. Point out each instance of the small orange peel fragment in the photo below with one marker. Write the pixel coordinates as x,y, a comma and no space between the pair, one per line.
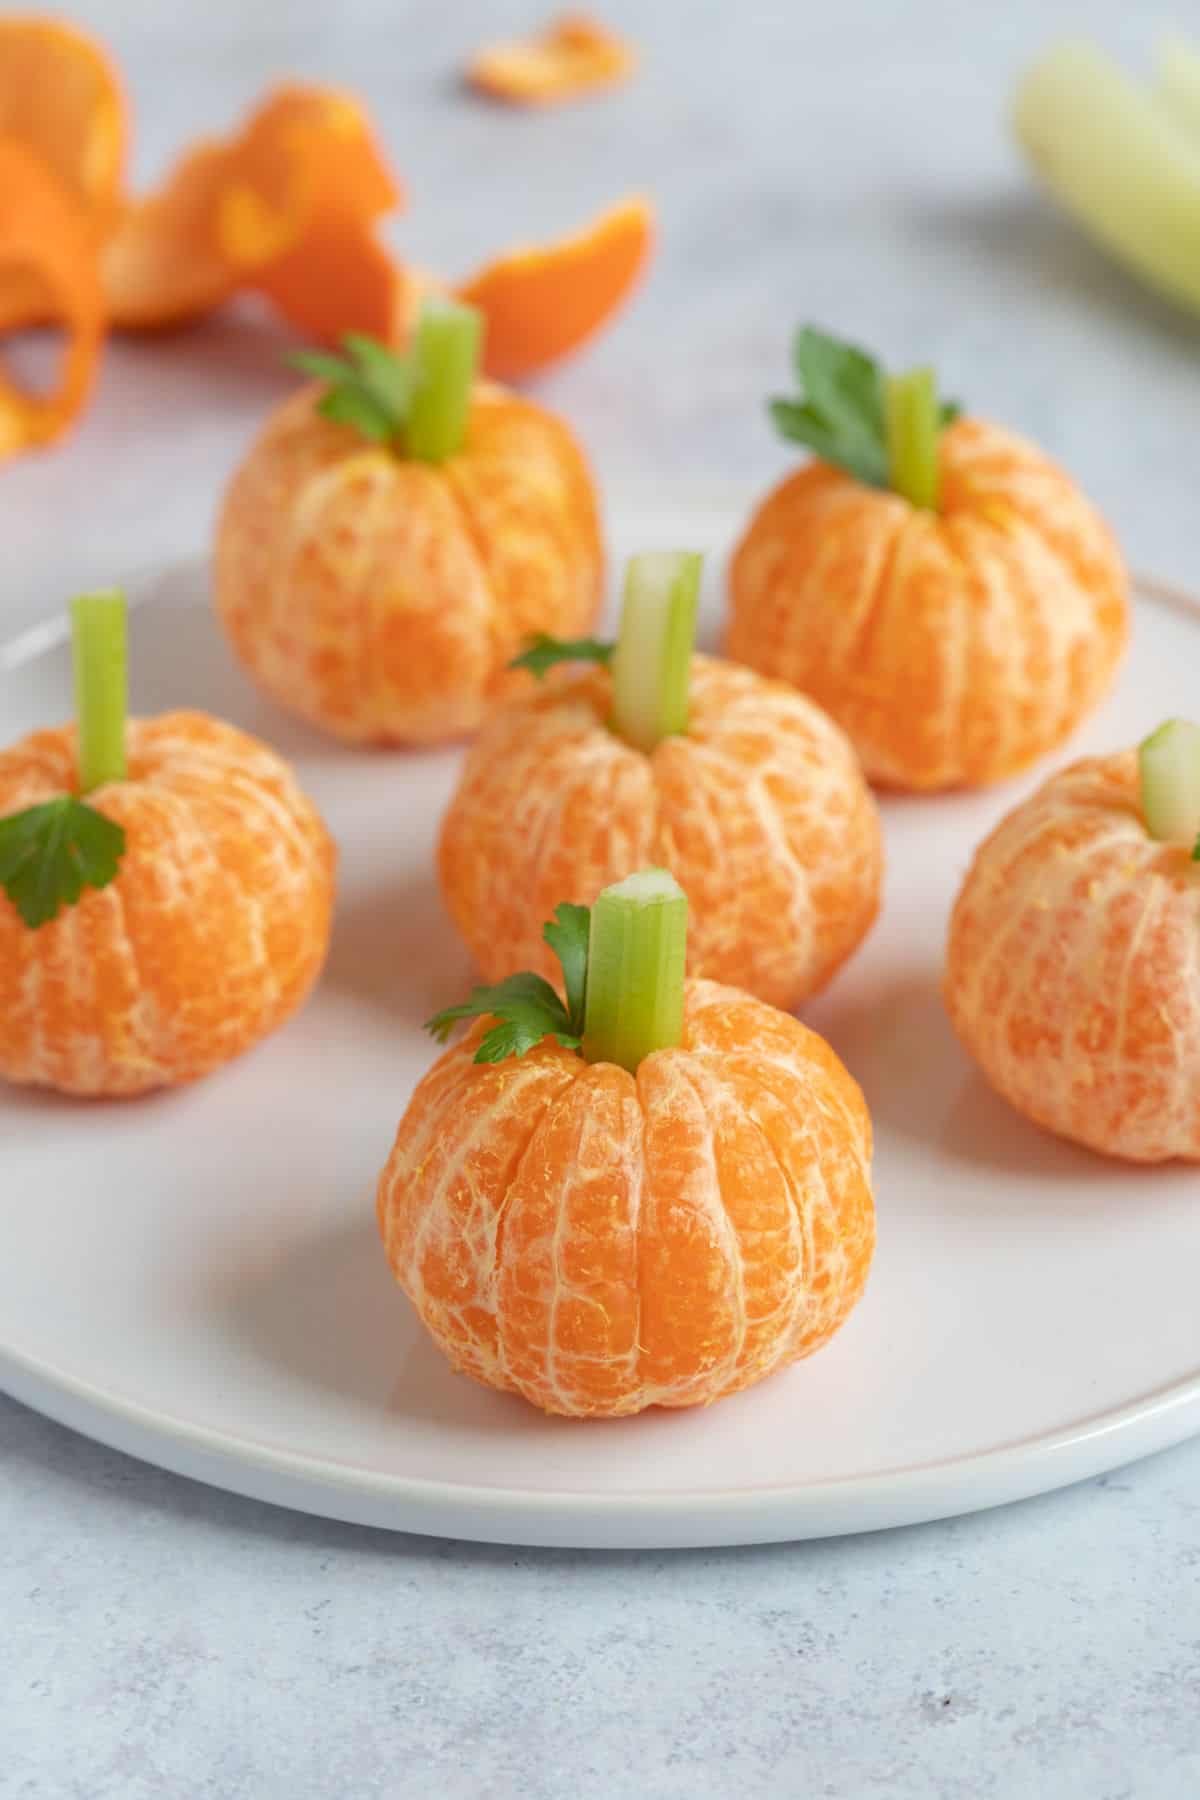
573,55
47,251
542,302
61,97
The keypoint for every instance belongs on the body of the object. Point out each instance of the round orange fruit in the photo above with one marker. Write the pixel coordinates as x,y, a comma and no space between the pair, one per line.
957,640
1072,975
601,1242
381,596
210,935
759,810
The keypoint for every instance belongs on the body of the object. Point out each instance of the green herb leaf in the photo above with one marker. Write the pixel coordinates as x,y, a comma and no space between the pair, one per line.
369,388
50,853
1196,851
840,412
543,653
528,1010
567,934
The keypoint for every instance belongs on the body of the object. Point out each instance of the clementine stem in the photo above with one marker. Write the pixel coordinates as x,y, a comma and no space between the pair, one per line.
652,663
101,685
636,956
913,424
445,356
1169,776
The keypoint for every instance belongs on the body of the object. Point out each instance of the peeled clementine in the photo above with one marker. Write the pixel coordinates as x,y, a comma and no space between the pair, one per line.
601,1242
1071,972
211,935
954,646
760,812
382,598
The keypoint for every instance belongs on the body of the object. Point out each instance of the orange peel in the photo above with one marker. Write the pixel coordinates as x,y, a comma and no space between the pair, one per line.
573,55
285,205
542,302
163,265
46,246
62,98
306,152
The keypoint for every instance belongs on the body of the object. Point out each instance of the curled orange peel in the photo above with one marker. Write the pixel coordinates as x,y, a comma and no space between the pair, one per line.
61,97
48,256
265,208
306,151
541,303
573,55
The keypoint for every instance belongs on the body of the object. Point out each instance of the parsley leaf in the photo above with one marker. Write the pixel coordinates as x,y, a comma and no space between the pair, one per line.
528,1010
50,853
525,1006
543,653
567,934
839,414
368,388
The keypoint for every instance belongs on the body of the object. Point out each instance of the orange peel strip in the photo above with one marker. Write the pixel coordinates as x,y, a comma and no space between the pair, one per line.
62,98
573,55
542,303
46,243
162,265
305,152
339,278
261,209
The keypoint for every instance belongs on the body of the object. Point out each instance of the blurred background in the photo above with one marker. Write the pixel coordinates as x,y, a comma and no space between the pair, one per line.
852,165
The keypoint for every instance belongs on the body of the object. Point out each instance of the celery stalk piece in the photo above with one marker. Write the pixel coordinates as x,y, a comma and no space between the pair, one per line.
913,421
652,663
1169,770
445,355
101,685
1177,82
636,956
1117,161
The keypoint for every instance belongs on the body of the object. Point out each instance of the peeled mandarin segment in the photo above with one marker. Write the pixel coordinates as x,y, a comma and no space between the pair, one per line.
542,303
162,265
307,152
211,935
954,648
60,96
1071,974
573,55
45,240
600,1243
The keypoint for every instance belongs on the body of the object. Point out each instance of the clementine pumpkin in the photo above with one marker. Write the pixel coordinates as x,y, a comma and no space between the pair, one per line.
168,919
600,1238
752,798
380,591
939,585
1071,971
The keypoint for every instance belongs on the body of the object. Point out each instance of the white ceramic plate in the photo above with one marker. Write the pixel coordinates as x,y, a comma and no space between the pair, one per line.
195,1278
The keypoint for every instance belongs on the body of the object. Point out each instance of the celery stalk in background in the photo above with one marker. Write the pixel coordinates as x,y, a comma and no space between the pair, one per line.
1119,160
